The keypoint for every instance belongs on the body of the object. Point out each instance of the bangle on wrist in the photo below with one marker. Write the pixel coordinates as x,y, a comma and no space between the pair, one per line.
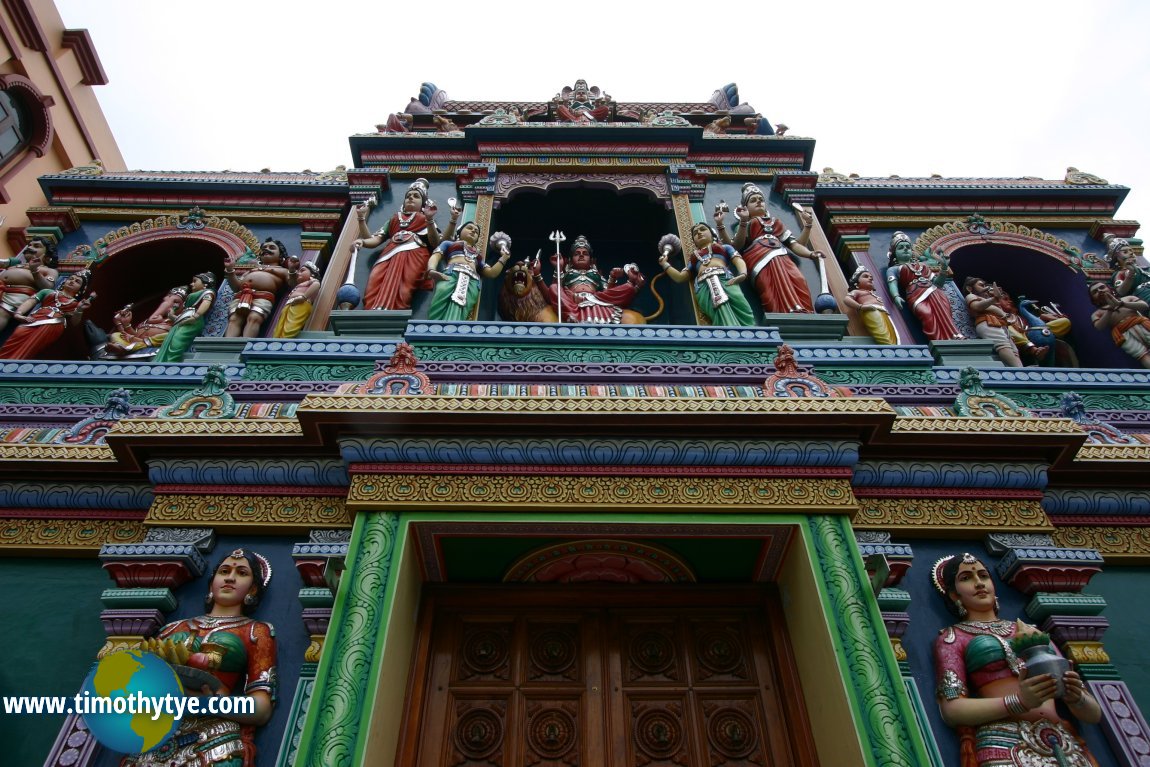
1014,704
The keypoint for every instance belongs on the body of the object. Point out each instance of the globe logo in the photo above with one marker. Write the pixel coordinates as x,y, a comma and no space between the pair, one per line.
124,678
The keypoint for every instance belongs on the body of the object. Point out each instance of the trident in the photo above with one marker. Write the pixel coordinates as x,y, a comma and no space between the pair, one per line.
558,237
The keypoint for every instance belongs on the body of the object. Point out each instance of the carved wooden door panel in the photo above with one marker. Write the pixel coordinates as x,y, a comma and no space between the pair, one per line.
672,684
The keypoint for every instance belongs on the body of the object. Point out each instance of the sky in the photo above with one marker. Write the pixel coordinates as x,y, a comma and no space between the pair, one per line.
973,89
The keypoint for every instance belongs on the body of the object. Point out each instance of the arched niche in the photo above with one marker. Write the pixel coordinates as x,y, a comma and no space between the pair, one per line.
623,217
1025,261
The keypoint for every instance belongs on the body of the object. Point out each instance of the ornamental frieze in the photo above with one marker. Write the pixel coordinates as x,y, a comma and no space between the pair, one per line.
54,537
951,515
1129,545
284,513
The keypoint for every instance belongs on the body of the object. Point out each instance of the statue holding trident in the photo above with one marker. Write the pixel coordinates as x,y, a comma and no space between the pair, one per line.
581,294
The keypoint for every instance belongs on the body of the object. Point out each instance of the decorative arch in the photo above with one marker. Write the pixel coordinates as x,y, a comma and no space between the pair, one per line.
37,105
600,560
654,184
978,231
233,238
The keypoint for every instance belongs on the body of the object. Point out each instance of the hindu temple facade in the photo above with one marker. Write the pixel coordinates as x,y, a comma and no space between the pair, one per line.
547,473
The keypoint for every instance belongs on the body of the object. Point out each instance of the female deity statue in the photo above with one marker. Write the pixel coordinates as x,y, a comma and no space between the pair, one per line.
717,290
983,684
457,286
406,238
913,282
870,308
189,323
1129,279
769,251
299,303
45,316
223,652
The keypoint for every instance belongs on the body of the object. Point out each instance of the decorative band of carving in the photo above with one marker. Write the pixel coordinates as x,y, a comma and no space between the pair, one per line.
33,452
1130,545
422,491
248,511
986,425
952,514
470,469
46,536
1113,453
238,428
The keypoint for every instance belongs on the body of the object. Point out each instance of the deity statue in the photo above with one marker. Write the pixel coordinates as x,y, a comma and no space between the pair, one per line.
769,250
32,269
916,283
717,271
582,104
521,298
1124,318
298,305
1020,332
46,315
1130,278
457,286
257,290
406,238
872,312
1004,711
221,653
189,322
583,294
149,334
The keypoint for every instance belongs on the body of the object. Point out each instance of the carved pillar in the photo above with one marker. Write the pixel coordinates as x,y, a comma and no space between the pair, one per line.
874,682
332,733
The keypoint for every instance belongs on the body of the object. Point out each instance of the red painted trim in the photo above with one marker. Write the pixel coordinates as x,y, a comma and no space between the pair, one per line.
947,492
88,196
26,25
321,492
90,67
601,471
10,41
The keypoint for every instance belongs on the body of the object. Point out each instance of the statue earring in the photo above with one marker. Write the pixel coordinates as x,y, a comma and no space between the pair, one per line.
209,600
250,599
996,606
960,608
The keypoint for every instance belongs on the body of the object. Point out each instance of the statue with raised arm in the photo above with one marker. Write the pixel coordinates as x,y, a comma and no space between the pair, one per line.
584,295
1130,278
407,238
770,251
1001,701
31,270
716,271
458,285
916,284
46,315
220,653
257,289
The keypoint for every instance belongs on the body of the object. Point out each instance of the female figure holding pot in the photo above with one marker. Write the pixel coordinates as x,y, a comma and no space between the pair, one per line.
983,684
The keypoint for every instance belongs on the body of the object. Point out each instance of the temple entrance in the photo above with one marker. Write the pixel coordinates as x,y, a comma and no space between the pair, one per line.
612,677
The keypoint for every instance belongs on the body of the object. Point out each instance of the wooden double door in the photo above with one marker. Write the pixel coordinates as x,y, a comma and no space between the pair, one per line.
690,677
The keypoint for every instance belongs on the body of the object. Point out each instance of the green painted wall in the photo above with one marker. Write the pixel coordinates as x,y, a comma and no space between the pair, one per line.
46,651
1124,589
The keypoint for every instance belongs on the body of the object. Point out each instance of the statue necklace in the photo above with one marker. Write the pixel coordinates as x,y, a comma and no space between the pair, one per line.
405,219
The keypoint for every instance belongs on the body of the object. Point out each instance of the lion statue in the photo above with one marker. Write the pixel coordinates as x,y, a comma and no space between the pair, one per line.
521,299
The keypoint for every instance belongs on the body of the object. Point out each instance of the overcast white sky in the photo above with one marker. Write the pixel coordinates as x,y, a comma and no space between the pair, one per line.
999,88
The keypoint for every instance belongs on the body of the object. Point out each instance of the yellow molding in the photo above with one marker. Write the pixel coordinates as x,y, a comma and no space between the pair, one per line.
1086,652
1090,452
196,428
262,513
698,495
964,517
1128,545
960,425
315,649
56,537
40,452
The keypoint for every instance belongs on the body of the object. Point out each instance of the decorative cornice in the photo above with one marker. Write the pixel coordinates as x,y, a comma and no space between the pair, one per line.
304,471
110,372
1097,502
27,27
130,427
63,496
956,425
69,453
926,516
1125,545
42,537
946,474
1060,378
398,492
1114,453
289,513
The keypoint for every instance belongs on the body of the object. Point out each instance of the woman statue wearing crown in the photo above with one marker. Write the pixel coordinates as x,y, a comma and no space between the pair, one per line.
221,653
1006,716
458,285
717,271
767,247
407,239
920,287
188,323
584,295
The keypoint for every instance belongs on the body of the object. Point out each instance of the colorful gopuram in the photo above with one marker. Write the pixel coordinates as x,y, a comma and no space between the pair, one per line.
583,431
